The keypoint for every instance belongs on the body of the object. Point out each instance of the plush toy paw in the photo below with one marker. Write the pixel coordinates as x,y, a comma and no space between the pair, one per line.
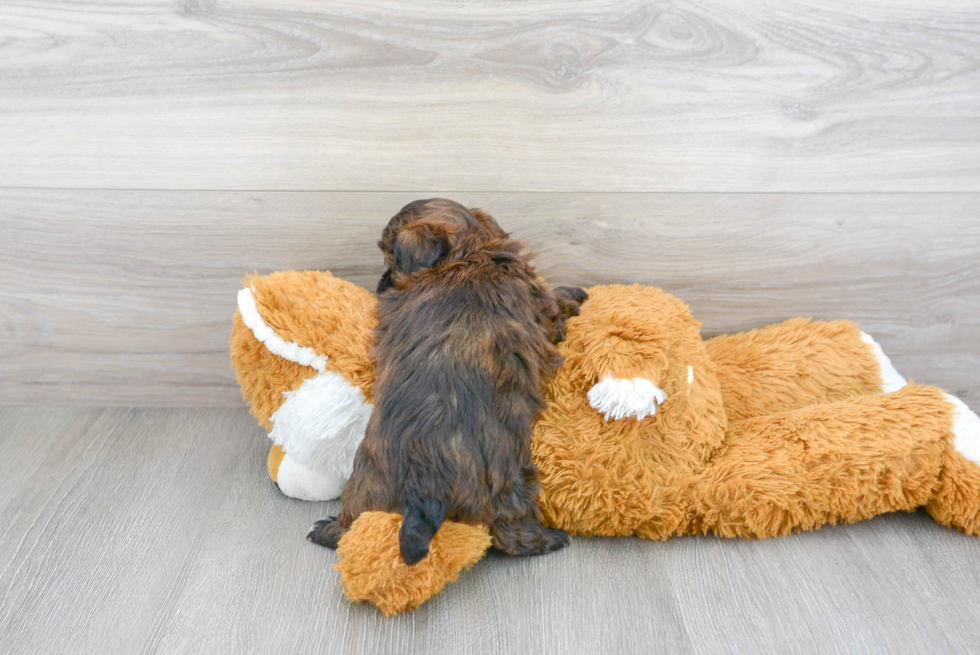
297,480
955,502
371,566
617,398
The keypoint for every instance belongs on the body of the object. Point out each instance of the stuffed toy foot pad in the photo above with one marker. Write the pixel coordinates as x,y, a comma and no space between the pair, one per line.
297,480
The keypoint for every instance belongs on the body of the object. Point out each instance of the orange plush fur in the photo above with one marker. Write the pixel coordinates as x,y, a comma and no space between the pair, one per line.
378,574
763,433
333,317
293,304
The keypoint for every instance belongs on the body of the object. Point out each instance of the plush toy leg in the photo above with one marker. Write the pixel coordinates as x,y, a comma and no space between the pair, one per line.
798,363
956,502
299,481
838,462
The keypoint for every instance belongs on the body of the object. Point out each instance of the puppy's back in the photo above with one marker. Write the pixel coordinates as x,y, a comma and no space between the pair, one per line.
460,359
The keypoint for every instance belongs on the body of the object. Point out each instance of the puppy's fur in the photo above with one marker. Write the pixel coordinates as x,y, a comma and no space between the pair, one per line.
466,333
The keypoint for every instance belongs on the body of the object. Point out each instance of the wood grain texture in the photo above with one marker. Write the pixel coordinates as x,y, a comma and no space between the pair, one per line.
98,539
733,95
158,531
126,297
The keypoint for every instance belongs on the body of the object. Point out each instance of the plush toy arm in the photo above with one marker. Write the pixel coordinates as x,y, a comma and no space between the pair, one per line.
624,355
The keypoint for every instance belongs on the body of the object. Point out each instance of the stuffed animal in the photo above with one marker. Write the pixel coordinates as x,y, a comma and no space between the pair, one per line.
648,430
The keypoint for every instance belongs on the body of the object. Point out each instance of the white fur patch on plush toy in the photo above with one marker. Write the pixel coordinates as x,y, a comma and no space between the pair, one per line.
891,379
322,423
966,429
299,481
617,398
276,344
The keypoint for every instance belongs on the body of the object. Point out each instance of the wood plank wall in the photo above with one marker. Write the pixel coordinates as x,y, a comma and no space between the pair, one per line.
760,160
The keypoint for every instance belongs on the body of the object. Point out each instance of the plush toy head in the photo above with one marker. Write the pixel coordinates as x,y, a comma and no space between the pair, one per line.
300,345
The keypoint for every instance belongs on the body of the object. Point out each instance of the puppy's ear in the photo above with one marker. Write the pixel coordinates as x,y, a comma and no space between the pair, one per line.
421,245
489,223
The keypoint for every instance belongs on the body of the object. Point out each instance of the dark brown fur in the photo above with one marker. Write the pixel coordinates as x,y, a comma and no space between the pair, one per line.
466,335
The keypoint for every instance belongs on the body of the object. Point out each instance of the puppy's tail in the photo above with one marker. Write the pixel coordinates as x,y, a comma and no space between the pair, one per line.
421,519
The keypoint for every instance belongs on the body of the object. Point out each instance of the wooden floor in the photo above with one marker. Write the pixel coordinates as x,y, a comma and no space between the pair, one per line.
758,159
157,531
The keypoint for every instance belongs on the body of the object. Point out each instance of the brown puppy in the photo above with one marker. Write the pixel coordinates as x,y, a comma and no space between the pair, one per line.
466,334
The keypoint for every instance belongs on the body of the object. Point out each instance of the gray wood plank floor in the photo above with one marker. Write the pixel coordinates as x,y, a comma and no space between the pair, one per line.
157,531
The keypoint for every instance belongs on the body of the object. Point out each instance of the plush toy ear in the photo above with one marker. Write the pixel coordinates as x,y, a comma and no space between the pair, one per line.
421,245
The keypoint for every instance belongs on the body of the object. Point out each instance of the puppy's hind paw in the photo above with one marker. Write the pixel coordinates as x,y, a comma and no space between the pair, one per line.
325,532
529,538
555,539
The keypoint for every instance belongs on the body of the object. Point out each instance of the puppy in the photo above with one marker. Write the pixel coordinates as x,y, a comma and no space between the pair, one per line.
466,335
